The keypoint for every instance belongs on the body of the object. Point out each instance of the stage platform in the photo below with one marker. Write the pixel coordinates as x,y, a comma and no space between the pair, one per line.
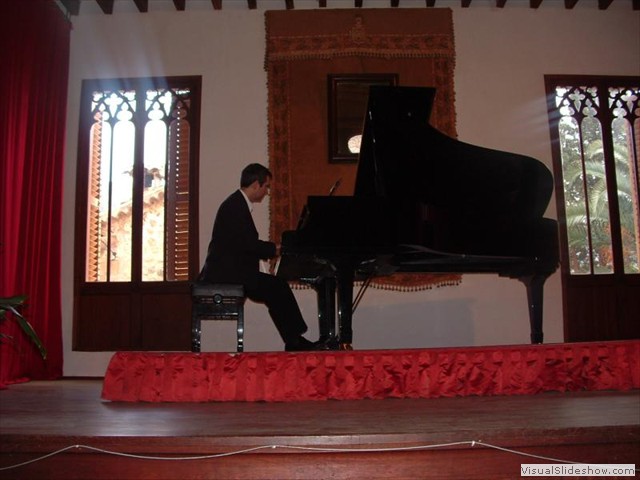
67,430
367,439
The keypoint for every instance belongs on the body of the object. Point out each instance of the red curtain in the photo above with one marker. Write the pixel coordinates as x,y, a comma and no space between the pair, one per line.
34,40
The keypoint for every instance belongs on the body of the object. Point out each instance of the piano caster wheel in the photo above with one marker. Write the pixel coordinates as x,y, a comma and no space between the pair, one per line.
346,346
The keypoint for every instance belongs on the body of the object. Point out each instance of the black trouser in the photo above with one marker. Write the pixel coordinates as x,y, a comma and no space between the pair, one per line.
276,294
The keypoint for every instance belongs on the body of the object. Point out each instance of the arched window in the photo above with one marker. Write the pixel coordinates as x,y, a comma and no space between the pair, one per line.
595,133
136,197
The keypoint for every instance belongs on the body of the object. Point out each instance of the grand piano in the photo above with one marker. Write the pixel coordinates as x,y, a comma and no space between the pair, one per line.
423,203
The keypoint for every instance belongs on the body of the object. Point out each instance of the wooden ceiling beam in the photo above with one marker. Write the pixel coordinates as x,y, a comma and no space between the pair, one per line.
72,6
106,6
143,5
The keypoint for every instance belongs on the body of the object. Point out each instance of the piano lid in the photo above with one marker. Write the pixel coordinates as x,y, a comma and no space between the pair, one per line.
402,156
391,113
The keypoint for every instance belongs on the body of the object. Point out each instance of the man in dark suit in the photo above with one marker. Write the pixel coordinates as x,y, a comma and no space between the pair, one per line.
235,252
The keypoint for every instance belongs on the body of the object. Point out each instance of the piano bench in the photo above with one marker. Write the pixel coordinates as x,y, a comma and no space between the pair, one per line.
216,301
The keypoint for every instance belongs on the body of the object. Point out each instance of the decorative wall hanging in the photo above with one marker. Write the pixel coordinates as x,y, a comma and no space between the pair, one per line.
304,47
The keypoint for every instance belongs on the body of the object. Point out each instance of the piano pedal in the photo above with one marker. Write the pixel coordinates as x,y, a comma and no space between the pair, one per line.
346,346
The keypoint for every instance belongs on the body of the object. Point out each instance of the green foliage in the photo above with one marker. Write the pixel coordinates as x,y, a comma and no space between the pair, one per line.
585,188
12,306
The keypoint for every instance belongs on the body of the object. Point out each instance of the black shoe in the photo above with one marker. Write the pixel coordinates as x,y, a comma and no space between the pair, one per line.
325,344
300,344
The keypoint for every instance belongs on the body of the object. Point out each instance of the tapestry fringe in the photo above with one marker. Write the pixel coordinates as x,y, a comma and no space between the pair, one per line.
415,288
394,286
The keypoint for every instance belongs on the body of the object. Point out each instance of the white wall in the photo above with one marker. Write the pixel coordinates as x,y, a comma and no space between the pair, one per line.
502,55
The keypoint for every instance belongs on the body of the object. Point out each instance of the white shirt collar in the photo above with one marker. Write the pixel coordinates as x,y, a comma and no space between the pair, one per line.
249,204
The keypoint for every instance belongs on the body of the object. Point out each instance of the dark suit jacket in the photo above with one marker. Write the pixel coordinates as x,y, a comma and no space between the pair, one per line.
235,250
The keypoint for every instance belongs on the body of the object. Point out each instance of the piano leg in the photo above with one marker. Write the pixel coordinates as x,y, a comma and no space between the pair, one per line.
535,293
345,278
325,289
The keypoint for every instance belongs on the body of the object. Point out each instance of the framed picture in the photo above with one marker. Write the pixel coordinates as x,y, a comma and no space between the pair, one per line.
348,94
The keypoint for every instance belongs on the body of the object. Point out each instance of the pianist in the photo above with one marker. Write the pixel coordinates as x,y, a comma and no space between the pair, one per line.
235,252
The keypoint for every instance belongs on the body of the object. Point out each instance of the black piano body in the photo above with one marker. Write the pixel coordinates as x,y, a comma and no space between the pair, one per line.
423,202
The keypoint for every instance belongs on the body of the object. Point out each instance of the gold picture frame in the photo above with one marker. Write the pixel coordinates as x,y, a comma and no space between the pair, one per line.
348,95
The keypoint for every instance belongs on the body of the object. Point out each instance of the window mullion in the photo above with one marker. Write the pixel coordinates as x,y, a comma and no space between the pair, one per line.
138,187
112,124
606,119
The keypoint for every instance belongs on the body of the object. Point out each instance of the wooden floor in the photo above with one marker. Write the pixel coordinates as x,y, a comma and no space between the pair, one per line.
391,439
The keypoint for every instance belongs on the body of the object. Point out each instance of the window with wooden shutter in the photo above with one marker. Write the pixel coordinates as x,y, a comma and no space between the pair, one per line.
137,200
595,130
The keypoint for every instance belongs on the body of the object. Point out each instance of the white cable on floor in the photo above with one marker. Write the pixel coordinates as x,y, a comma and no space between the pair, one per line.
472,443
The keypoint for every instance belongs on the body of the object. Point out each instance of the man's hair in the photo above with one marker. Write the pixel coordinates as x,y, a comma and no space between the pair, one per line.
254,172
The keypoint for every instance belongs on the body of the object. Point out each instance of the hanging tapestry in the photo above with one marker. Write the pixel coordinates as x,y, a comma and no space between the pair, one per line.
303,48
